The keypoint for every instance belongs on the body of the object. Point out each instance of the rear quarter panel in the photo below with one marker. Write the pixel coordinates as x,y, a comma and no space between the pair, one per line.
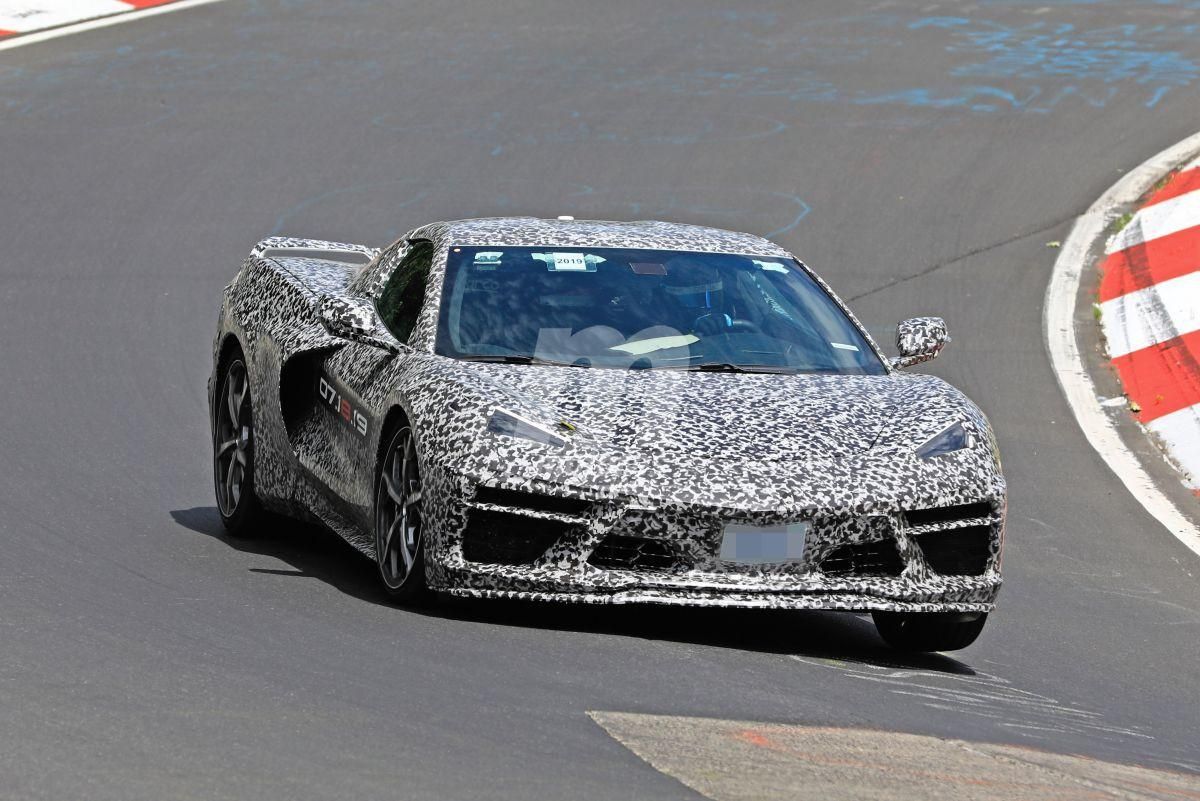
270,309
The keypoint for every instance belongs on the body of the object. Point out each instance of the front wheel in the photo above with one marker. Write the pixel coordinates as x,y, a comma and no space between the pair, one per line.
929,631
233,453
399,546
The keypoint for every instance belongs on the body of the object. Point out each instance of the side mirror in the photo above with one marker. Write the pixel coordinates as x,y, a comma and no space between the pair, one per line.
919,340
354,319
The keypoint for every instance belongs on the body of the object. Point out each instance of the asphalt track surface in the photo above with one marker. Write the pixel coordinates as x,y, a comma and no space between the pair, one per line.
920,157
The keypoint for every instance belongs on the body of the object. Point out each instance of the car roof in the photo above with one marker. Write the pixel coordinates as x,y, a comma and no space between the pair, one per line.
647,234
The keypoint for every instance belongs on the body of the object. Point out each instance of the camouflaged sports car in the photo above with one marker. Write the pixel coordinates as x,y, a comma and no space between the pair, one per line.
605,412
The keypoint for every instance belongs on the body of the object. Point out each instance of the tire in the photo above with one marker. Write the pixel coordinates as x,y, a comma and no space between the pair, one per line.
399,544
929,631
233,452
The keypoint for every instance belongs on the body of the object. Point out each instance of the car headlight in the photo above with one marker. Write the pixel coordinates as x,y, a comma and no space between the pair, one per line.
510,424
953,438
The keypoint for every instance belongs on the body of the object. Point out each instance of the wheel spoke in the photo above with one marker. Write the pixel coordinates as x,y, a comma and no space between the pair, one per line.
393,491
406,550
241,398
402,458
413,498
231,494
387,542
239,456
231,401
224,447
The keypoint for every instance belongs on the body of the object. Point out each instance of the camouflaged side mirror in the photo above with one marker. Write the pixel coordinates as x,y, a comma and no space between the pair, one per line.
919,339
354,319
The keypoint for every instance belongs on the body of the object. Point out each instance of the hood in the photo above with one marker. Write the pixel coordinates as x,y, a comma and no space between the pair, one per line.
711,416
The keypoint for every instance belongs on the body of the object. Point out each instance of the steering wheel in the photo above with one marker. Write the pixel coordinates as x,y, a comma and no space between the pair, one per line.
744,327
713,324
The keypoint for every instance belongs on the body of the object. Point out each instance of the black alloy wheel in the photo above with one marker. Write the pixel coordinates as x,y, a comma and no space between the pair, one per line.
399,547
233,452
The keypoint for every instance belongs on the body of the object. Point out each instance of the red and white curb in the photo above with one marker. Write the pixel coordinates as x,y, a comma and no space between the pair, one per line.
27,21
25,16
1150,312
1062,342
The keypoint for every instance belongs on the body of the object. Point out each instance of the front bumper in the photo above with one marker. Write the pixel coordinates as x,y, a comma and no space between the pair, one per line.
851,602
843,566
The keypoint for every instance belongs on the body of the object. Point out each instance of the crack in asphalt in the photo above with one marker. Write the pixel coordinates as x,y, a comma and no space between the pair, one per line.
964,256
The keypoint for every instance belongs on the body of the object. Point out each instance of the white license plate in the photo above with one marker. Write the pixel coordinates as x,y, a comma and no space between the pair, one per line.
756,545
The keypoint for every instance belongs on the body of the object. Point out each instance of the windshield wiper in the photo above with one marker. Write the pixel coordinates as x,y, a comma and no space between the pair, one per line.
520,358
728,367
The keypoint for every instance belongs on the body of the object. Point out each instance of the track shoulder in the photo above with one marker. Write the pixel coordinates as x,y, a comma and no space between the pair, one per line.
1060,320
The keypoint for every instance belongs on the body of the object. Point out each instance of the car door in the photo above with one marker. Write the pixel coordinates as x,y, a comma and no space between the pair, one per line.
350,381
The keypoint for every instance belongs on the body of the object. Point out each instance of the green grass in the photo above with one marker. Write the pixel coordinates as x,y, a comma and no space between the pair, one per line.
1162,182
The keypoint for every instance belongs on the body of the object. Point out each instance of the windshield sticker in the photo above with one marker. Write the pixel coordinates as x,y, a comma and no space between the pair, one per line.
569,262
842,346
647,268
772,266
644,346
488,259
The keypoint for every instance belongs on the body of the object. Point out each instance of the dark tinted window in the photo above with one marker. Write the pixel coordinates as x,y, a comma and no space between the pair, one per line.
400,301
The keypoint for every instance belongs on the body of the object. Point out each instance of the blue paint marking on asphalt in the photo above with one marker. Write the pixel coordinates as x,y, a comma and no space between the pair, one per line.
1047,51
1030,67
1033,66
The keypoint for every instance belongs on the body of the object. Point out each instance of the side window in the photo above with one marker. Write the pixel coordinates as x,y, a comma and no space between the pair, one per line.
400,301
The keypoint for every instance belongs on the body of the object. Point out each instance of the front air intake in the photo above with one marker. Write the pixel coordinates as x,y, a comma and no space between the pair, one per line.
633,553
502,538
864,559
958,552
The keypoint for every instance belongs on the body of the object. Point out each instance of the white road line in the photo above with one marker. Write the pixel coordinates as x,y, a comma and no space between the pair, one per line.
1161,219
1182,430
102,22
1152,315
1058,322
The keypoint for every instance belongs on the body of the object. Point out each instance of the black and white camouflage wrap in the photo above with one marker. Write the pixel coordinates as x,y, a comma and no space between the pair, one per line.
920,339
666,456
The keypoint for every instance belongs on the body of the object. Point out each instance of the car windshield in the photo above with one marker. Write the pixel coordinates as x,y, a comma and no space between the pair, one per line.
645,309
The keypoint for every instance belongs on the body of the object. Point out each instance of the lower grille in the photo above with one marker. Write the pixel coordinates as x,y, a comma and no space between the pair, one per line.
958,552
864,559
632,553
500,538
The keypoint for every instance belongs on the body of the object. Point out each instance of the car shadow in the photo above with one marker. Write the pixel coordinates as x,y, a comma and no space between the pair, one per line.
311,550
314,552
